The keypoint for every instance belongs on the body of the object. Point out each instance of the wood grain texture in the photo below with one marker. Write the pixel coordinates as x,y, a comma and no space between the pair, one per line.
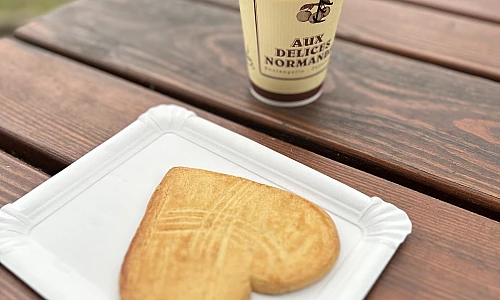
16,179
451,254
488,10
449,40
388,115
452,41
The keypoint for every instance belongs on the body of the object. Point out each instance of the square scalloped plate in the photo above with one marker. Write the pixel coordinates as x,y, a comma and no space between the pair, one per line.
68,237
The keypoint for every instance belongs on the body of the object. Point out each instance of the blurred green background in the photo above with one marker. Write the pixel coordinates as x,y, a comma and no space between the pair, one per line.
13,13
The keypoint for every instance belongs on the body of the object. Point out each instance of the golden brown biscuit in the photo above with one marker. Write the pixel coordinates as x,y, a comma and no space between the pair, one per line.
207,235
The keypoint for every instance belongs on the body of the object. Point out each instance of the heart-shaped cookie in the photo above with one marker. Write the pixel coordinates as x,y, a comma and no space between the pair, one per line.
207,235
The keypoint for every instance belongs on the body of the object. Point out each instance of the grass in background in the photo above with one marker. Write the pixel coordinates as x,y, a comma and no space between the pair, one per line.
15,12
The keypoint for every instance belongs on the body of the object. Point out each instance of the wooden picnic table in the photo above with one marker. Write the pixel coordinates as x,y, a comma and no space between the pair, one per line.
410,113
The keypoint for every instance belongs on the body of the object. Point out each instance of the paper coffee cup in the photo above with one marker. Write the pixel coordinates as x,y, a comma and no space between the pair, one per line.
288,46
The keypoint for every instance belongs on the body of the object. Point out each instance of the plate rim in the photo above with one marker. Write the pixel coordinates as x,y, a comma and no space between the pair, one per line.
384,226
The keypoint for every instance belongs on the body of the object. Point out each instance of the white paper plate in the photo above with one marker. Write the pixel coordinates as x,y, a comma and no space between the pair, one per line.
68,237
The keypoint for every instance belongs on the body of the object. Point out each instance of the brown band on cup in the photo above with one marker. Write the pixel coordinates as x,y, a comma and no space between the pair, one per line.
286,97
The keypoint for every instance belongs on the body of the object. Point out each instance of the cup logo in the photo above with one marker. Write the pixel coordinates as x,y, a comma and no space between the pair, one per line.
309,13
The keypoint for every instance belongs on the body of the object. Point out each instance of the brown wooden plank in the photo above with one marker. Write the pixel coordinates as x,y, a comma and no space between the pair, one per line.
70,108
16,180
488,10
416,124
452,41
